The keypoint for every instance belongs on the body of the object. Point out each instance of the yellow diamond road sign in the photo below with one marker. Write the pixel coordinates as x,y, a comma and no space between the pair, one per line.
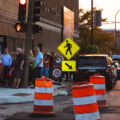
69,66
68,48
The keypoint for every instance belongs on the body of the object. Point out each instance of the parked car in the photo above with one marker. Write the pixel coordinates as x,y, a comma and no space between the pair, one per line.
116,57
88,65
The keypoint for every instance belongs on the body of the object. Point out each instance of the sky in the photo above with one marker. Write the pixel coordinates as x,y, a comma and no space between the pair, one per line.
110,8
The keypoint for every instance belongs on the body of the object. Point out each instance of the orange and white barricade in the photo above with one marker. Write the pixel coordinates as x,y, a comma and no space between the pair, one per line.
84,100
99,86
43,97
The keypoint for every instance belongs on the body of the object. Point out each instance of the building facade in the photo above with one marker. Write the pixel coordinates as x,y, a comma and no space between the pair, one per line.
8,17
51,21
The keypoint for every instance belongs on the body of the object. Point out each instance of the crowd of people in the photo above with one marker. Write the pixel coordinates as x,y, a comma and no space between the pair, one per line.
14,65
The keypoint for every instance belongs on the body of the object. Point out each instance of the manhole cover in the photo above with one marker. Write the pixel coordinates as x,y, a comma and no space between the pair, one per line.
21,94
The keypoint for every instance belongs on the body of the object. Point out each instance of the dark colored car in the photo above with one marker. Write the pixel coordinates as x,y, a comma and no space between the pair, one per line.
116,57
88,65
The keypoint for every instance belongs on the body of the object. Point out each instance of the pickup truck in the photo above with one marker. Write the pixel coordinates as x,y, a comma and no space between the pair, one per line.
88,65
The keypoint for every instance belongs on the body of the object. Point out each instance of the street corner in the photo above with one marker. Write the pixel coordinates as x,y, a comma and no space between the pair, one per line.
9,95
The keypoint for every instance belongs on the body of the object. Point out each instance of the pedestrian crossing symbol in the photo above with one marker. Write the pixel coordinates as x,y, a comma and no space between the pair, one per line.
68,66
68,48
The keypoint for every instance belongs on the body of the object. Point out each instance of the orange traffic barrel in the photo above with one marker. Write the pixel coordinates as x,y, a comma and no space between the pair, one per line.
99,86
84,101
43,97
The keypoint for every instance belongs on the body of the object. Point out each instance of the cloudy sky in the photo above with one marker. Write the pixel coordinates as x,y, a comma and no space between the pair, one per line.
110,8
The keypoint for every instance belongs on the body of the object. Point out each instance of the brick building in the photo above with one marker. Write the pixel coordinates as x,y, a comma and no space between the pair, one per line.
8,17
51,20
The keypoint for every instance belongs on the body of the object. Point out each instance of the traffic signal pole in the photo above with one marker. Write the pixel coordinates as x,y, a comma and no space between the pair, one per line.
28,43
92,42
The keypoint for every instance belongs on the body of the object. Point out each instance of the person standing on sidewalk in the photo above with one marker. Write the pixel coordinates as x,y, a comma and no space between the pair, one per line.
53,59
38,63
1,68
7,62
18,68
32,68
46,65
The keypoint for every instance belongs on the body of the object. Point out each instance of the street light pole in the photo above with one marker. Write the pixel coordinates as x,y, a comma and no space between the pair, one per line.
92,42
116,27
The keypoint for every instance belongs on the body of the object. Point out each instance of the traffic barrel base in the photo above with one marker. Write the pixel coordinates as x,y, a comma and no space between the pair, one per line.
43,97
99,86
84,101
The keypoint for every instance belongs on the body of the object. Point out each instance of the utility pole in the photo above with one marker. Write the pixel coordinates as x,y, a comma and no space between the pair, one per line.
116,28
28,42
92,42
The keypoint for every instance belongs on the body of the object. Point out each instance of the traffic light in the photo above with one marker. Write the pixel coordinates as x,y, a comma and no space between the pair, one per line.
36,16
97,18
22,10
20,27
36,29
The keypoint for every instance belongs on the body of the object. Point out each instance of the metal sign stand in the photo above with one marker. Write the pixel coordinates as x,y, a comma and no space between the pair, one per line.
68,46
69,86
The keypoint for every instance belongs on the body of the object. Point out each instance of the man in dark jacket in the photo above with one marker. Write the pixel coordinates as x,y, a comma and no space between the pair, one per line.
18,68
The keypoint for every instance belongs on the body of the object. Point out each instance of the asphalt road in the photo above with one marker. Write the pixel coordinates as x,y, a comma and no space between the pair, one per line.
23,111
67,115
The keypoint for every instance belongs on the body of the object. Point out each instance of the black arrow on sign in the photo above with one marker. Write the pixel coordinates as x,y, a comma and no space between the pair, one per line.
70,67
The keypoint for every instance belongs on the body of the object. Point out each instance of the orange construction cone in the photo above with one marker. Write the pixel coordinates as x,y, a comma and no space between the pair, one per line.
43,97
84,100
99,86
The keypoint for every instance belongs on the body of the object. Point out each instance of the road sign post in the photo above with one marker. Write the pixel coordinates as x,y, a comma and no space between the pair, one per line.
69,79
68,48
69,66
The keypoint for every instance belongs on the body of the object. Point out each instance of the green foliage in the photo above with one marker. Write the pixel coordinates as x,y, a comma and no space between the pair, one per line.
92,49
104,40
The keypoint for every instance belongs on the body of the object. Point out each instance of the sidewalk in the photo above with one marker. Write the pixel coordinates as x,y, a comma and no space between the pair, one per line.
9,95
25,98
112,112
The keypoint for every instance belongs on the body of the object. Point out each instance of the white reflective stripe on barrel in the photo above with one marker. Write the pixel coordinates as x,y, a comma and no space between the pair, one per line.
87,116
43,89
99,86
43,102
101,97
84,100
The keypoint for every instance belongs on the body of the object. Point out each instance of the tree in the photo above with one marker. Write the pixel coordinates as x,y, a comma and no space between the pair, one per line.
105,41
92,49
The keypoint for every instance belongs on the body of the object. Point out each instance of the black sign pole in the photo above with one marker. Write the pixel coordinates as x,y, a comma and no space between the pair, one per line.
69,79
